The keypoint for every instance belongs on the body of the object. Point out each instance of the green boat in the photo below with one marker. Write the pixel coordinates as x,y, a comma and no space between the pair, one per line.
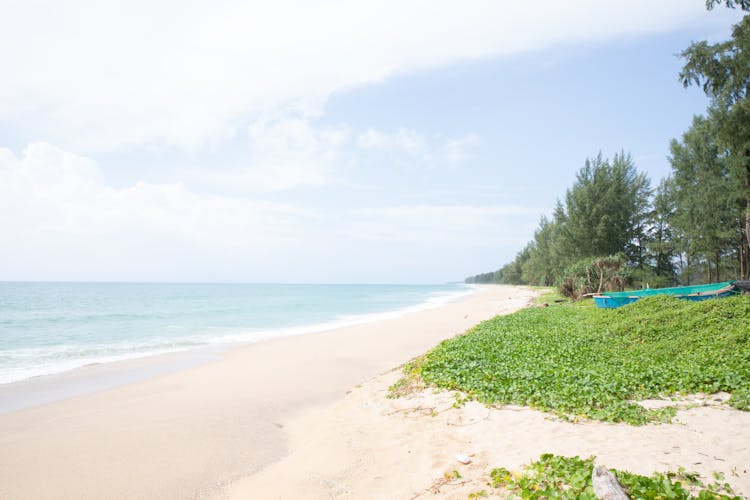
611,300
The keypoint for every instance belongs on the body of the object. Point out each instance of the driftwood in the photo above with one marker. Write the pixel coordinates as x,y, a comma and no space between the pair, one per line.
606,486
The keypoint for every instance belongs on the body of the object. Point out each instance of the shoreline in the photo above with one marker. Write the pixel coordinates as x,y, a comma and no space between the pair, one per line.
192,432
89,379
98,376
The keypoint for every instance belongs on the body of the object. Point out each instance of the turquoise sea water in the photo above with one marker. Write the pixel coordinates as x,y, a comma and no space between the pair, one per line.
48,328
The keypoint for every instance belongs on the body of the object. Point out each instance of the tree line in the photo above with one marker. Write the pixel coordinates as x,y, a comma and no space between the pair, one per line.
613,228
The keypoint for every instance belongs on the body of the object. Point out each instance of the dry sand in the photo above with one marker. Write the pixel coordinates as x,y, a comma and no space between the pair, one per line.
368,446
191,433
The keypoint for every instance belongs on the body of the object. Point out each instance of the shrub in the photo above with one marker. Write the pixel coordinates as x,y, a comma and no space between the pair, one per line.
594,275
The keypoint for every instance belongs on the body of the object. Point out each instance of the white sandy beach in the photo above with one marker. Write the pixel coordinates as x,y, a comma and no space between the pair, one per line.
191,433
307,417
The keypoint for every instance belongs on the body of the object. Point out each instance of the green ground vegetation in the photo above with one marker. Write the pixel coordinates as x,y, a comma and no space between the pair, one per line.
580,362
570,477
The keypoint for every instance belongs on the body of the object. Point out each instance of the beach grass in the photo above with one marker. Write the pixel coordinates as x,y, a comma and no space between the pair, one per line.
580,362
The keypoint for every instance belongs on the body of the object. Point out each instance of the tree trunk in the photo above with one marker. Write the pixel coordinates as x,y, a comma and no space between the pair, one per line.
718,267
682,271
742,242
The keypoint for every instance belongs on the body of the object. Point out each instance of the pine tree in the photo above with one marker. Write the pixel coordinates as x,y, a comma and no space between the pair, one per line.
606,210
723,71
705,212
661,246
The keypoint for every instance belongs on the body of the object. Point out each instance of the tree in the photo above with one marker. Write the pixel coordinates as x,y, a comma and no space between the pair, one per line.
723,71
542,266
605,211
705,209
661,244
742,4
511,274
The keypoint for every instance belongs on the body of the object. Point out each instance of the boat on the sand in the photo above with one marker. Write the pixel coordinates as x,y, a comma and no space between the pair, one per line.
611,300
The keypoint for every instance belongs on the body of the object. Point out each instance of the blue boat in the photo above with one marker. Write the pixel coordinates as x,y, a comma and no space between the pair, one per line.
611,300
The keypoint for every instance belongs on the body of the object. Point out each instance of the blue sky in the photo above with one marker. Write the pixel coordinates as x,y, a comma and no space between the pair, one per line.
320,142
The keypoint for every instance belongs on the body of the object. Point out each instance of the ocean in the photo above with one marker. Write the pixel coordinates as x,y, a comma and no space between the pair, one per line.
48,328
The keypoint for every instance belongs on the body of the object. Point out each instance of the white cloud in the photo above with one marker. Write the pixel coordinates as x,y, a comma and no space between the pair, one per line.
290,152
408,141
282,152
59,216
454,150
103,76
419,150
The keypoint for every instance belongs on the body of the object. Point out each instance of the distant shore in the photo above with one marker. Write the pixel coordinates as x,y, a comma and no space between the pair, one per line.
193,432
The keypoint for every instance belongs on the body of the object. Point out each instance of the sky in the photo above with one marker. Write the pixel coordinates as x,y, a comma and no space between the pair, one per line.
320,141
